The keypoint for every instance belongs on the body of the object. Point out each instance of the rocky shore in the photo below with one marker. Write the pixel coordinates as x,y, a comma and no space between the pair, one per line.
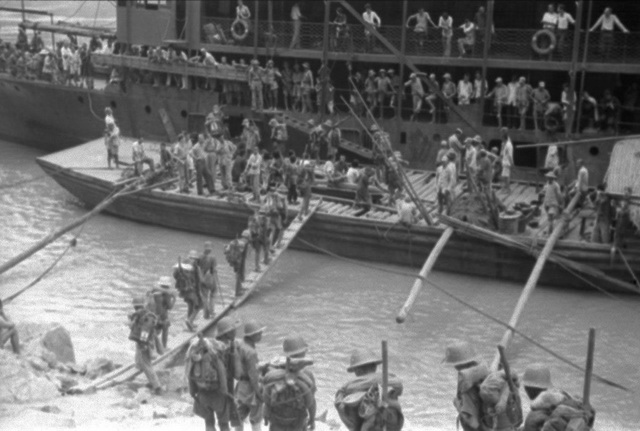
33,393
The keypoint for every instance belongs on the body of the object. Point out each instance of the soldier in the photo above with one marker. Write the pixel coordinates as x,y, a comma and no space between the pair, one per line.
236,254
259,231
306,87
276,208
289,390
551,408
180,154
112,141
207,378
208,275
279,134
306,179
271,80
8,331
162,300
333,137
471,373
142,323
357,401
188,286
254,78
248,392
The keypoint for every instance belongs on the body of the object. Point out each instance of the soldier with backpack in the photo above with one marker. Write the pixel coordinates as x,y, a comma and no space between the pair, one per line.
276,208
142,324
236,254
471,373
259,231
289,390
551,408
188,286
162,300
358,401
208,275
207,378
248,390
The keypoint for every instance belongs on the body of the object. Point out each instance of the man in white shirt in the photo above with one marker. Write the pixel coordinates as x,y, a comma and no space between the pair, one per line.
242,11
66,53
607,23
296,18
564,19
469,39
446,24
582,187
372,18
512,108
507,159
465,90
550,18
353,173
420,29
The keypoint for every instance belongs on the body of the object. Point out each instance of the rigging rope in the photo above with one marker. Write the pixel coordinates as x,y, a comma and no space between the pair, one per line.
472,307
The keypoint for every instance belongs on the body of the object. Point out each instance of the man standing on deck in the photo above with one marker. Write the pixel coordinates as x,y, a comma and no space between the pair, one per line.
180,156
604,213
8,331
417,94
449,181
507,159
254,78
553,200
140,158
306,87
142,323
236,254
541,98
208,274
455,145
203,176
306,179
371,18
582,187
421,27
607,23
296,19
226,151
248,391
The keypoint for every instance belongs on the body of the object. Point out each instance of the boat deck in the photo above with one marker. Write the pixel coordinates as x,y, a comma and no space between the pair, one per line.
90,159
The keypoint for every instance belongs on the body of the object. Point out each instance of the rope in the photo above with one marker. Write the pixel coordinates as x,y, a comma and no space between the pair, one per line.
626,263
472,307
91,107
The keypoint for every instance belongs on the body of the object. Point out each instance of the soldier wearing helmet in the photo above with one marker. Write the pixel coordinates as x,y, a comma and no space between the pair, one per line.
142,324
248,391
188,286
354,398
162,300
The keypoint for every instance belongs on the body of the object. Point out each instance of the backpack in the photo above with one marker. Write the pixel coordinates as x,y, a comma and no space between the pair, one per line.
285,395
143,326
233,252
204,368
184,277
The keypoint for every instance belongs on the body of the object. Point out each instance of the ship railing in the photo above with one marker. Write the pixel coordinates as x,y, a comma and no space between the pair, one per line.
229,72
508,44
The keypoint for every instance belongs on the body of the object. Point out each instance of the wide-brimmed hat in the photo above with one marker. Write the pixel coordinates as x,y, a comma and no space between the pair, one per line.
459,353
252,328
294,345
537,376
328,123
226,325
193,254
165,281
551,175
459,131
360,358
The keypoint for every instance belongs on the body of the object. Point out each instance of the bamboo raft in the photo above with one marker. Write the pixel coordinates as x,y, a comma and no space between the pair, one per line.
375,236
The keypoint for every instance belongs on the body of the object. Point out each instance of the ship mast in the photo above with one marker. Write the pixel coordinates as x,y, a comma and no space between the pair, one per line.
324,70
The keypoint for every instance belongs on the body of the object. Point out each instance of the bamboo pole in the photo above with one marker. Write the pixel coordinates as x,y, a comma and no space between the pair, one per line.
255,29
385,373
572,74
535,275
579,141
403,49
424,273
485,55
583,69
324,77
57,234
589,368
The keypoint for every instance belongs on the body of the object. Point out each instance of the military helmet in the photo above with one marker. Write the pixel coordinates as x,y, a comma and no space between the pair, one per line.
226,325
252,328
294,345
193,255
164,281
138,301
459,353
362,357
537,376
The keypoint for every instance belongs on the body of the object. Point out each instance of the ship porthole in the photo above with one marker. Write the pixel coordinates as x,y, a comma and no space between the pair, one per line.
147,109
183,113
80,99
113,104
594,151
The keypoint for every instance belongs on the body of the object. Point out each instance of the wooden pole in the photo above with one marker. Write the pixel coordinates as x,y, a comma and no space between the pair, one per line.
255,28
403,49
385,373
485,55
589,368
24,16
579,141
583,68
535,275
57,234
424,273
573,72
324,70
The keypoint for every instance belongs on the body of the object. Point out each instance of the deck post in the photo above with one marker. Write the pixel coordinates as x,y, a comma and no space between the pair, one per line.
572,73
485,56
24,15
255,29
403,50
193,18
324,77
583,71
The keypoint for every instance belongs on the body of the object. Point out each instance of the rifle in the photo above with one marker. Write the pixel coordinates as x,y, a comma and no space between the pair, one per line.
517,414
385,379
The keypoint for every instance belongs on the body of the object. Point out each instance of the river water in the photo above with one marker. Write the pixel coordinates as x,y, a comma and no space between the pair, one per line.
336,306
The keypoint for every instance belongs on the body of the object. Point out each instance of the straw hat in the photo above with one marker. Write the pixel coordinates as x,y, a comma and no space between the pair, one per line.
551,175
460,353
252,328
294,345
226,325
360,358
537,376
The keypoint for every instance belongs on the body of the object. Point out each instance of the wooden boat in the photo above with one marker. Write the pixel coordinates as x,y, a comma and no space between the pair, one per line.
376,237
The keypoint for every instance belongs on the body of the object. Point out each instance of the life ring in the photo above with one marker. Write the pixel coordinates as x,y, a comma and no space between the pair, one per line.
245,29
552,41
551,123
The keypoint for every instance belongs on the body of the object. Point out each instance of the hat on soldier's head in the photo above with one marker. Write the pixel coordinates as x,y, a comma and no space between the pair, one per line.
537,376
447,76
382,71
328,123
459,131
246,122
164,281
273,122
208,245
294,345
444,143
460,353
374,128
252,328
138,301
360,358
311,122
478,139
193,254
226,325
451,155
551,175
413,75
306,65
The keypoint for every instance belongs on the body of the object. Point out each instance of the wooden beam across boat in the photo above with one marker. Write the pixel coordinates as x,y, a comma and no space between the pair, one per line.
535,276
76,30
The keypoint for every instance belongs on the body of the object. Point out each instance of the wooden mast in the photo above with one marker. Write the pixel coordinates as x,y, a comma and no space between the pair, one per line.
583,69
485,55
255,29
403,49
324,70
572,73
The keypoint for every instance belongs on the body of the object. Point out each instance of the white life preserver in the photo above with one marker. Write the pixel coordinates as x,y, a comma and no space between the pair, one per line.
552,41
245,29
